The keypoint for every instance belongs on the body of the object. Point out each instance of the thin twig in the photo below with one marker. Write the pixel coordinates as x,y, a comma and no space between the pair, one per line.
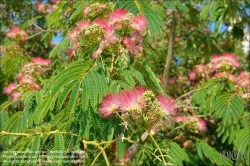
186,94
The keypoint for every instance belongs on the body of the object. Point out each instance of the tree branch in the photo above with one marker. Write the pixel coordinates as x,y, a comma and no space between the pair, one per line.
167,67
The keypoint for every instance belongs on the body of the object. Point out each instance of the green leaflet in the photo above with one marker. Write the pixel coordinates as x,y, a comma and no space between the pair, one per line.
60,117
39,97
138,76
59,148
9,125
5,105
79,11
211,154
64,94
30,22
62,46
11,64
229,107
21,145
177,154
174,4
94,87
150,78
127,77
34,149
41,110
205,10
155,23
120,149
27,97
73,98
241,142
4,117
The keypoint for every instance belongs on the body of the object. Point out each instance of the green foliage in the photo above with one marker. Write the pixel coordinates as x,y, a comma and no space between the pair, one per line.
176,154
155,23
64,115
218,103
204,149
241,141
34,149
149,76
60,47
175,5
120,149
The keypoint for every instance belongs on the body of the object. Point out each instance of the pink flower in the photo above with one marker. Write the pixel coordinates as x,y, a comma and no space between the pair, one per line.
107,29
25,80
40,6
96,54
74,33
217,65
243,80
41,62
231,77
202,125
183,119
101,7
86,11
188,144
55,1
34,86
215,58
15,96
128,42
200,68
109,105
167,105
231,58
171,80
192,75
15,32
129,99
220,75
82,24
139,23
9,89
118,15
70,52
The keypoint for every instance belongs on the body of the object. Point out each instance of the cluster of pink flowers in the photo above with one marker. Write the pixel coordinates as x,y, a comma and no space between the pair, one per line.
122,102
16,33
226,59
193,123
10,90
27,78
221,66
46,8
116,28
133,102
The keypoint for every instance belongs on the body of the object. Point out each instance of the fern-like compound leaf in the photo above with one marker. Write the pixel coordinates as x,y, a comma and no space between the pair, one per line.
34,150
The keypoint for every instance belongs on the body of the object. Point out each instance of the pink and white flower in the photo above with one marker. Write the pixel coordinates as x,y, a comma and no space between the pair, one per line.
167,105
15,32
10,88
34,86
192,75
139,23
110,104
130,99
15,96
118,15
41,62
